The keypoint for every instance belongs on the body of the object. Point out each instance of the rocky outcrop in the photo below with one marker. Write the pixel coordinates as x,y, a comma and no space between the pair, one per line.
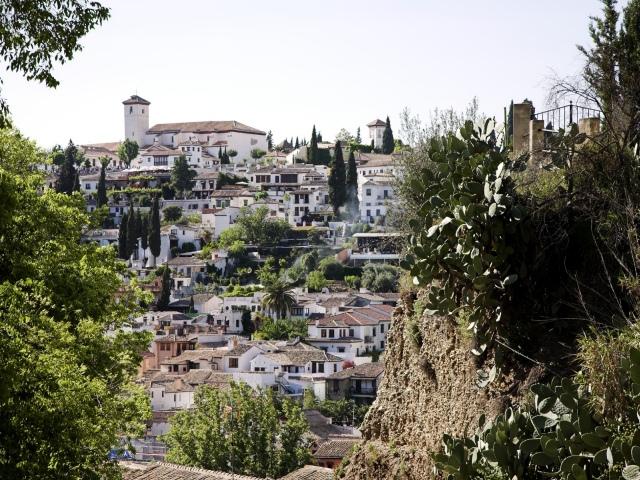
429,388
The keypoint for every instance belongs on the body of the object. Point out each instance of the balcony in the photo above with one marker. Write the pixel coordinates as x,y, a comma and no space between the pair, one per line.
363,391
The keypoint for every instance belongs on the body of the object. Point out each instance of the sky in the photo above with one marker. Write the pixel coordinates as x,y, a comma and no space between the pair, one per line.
285,65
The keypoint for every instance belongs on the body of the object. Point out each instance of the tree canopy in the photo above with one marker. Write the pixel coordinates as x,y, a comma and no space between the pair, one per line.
240,431
67,392
127,151
34,36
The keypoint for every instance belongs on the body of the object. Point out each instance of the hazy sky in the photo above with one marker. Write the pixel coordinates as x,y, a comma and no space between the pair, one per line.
284,65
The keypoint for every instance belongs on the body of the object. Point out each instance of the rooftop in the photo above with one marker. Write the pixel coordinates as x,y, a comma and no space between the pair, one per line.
310,472
169,471
366,370
211,126
136,100
335,448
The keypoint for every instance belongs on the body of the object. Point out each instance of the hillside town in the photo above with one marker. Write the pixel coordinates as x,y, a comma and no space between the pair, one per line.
259,266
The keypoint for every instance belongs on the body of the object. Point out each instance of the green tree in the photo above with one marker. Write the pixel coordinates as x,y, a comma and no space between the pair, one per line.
122,237
278,298
316,281
248,327
270,329
37,35
144,232
255,227
257,153
102,184
388,143
172,213
182,175
127,151
353,203
269,141
337,180
241,431
312,149
68,174
67,392
358,136
154,229
132,231
165,294
232,153
353,281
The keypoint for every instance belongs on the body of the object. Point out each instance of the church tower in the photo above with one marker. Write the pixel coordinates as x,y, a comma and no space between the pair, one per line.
136,118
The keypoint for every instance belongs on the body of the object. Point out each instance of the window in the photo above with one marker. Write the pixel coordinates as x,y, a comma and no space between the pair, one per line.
331,333
377,212
143,110
323,333
368,192
368,213
374,331
233,362
340,349
87,186
321,367
382,328
130,110
336,385
352,332
335,367
386,194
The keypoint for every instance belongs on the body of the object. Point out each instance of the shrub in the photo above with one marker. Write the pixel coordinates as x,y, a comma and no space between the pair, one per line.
188,247
331,268
352,281
172,214
316,281
471,240
380,277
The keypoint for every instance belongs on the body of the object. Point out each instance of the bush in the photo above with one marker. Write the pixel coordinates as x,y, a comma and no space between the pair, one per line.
316,281
380,277
172,214
559,435
270,329
331,268
188,247
352,281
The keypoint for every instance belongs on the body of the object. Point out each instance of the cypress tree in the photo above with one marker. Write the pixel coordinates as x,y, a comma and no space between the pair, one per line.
144,232
269,141
154,228
312,149
297,145
102,187
67,176
165,293
319,137
122,237
353,203
388,143
132,234
337,180
220,153
358,137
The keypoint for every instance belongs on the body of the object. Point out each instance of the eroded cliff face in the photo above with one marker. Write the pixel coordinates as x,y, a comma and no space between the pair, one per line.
429,388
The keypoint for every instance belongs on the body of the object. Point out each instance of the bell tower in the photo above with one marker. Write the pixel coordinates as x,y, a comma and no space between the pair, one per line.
136,118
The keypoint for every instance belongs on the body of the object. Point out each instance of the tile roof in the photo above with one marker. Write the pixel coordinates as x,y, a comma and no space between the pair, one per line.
136,100
302,357
321,427
370,315
238,350
168,471
335,448
310,472
178,261
207,354
157,149
366,370
189,381
205,127
377,123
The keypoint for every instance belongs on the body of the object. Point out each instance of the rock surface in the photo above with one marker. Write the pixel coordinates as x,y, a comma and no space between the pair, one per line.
429,388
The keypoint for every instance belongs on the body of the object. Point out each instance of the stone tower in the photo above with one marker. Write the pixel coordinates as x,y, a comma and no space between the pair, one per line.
376,130
136,118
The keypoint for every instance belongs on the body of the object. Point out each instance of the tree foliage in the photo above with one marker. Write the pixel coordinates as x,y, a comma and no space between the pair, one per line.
68,174
127,151
154,228
312,149
278,298
388,144
182,175
34,36
240,431
67,393
337,180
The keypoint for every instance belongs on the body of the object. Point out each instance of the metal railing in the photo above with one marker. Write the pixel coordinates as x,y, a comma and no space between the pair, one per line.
562,117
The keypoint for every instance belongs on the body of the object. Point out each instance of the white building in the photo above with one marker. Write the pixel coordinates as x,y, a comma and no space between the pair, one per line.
376,130
206,137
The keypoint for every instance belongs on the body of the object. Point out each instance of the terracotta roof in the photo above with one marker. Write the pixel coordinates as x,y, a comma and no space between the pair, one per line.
377,123
157,149
238,350
168,471
302,357
207,354
371,315
310,472
136,100
107,147
366,370
205,127
335,448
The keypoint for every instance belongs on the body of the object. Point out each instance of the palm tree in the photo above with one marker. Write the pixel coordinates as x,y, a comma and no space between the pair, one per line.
278,298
